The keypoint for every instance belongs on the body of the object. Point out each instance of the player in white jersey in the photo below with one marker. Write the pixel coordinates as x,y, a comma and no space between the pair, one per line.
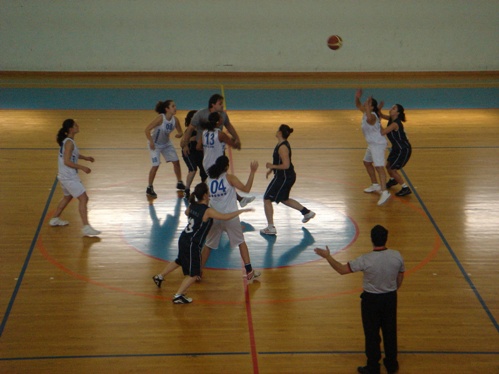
213,140
158,136
374,159
222,190
68,176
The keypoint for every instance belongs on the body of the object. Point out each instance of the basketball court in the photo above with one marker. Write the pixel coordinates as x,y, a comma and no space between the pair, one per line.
77,304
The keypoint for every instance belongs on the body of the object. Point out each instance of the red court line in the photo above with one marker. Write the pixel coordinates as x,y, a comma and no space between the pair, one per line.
249,315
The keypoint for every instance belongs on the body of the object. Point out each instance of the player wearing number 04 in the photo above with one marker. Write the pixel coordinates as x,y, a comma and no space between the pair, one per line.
200,218
223,198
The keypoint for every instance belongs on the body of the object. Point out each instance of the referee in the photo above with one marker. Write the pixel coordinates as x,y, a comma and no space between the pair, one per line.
383,270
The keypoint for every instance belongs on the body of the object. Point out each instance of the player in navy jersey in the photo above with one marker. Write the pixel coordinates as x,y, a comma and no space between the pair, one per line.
193,159
191,240
401,148
284,179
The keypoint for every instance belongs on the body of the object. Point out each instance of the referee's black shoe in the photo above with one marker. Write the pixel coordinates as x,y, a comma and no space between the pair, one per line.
366,370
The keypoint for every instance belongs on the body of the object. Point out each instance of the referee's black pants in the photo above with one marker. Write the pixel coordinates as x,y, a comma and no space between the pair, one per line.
379,311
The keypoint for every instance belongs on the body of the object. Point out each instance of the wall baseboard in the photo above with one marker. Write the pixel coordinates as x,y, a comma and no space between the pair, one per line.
303,79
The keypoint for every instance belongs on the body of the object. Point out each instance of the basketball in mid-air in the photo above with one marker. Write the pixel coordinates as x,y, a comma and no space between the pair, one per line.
334,42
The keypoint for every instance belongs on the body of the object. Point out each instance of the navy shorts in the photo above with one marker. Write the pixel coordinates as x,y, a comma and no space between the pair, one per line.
189,257
398,158
279,188
194,161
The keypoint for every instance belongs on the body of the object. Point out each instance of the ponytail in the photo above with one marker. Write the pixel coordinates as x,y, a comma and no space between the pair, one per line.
219,167
374,103
64,130
197,195
401,115
162,105
189,116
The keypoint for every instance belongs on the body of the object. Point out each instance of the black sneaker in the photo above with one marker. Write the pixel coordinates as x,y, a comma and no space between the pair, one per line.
393,371
150,192
404,191
180,185
187,193
181,299
391,182
158,280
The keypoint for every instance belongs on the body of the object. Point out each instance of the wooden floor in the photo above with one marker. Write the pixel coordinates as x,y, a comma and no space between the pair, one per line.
80,305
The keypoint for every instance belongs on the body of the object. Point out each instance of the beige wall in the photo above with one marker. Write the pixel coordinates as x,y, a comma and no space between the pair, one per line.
248,35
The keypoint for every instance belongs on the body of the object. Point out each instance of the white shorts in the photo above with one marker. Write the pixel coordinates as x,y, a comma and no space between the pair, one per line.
169,153
376,155
72,187
232,228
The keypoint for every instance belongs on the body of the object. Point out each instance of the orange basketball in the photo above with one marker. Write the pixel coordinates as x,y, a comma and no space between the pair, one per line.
334,42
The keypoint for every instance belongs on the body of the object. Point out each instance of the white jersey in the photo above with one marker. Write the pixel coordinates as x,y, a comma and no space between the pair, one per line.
372,133
223,196
213,148
161,134
65,172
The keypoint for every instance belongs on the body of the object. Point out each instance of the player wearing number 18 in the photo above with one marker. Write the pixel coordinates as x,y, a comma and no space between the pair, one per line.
200,218
222,187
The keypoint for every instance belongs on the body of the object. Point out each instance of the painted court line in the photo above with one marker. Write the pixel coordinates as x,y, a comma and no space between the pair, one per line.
26,261
453,254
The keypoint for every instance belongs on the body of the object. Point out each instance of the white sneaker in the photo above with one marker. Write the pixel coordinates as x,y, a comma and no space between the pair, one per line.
268,231
246,200
56,221
384,197
90,231
307,217
375,187
250,277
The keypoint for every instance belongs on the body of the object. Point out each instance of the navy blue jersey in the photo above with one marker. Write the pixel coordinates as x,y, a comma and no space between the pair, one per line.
398,138
277,161
196,230
193,143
